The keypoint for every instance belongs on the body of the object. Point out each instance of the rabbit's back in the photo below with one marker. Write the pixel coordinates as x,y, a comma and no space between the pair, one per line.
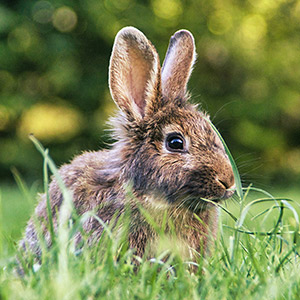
93,179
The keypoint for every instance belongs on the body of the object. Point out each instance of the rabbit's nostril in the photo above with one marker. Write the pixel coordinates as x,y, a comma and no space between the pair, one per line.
228,185
225,184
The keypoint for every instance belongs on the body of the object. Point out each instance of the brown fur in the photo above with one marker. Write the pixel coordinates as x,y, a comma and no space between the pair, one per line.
163,182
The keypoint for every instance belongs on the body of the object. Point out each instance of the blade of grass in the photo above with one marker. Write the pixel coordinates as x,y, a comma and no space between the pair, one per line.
281,263
263,212
64,278
261,191
254,202
236,173
52,167
255,262
222,207
260,233
292,209
46,191
22,185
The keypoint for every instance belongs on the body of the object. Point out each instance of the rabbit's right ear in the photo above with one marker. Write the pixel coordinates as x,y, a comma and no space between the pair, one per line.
134,73
178,65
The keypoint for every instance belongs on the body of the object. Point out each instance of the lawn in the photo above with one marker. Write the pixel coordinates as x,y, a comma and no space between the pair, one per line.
255,255
254,260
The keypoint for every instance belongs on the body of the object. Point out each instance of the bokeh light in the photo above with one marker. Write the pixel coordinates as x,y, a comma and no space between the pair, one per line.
42,12
167,9
253,31
20,39
64,19
50,122
220,22
215,53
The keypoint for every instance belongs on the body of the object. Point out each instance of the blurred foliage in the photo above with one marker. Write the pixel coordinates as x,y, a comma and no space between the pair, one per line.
54,58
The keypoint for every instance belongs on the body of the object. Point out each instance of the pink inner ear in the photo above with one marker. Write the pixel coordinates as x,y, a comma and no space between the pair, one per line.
134,75
138,78
137,90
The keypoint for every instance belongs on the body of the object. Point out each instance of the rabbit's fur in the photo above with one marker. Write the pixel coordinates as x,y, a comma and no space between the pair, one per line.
153,104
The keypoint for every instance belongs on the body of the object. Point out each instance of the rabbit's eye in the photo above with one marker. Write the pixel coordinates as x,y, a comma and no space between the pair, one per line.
175,143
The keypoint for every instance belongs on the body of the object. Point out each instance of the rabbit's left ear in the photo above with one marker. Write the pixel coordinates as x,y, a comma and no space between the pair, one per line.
134,73
178,65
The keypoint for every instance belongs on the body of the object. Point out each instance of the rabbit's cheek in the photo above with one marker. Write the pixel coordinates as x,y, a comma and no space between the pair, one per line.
204,183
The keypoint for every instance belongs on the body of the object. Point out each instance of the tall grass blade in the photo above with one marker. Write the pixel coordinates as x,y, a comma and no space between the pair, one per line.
46,191
64,280
220,206
281,263
237,178
296,216
255,262
22,185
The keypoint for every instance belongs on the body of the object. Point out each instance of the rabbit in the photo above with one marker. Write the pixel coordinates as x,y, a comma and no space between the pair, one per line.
165,149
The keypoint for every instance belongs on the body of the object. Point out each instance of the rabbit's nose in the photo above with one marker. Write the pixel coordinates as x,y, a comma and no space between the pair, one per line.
227,182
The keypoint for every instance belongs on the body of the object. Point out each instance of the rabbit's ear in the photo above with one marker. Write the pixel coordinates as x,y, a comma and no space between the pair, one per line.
178,65
134,73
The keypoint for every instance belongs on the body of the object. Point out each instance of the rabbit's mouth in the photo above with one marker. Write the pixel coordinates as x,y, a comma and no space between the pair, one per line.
198,202
228,193
216,195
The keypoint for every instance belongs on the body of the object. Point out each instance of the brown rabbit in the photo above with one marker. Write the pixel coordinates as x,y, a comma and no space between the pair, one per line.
166,150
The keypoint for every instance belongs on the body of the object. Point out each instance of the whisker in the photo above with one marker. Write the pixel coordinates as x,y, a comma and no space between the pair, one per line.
222,108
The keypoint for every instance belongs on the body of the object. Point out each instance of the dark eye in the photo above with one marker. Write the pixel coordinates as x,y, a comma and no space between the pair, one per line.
175,143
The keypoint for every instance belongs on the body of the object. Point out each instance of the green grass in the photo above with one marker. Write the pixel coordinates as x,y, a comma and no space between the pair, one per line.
254,257
241,266
15,208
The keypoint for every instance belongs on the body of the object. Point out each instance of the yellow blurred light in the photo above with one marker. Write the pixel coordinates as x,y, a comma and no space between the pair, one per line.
167,9
296,12
253,30
264,5
267,6
50,122
64,19
220,22
19,40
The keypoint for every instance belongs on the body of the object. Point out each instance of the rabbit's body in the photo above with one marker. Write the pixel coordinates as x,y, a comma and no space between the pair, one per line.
166,150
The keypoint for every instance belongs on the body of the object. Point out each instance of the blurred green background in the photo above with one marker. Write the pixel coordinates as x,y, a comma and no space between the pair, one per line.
54,58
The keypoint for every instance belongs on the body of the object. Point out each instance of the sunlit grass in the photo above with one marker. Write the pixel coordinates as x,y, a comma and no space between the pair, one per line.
254,257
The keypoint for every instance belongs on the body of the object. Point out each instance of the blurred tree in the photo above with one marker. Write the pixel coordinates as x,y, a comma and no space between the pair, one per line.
54,58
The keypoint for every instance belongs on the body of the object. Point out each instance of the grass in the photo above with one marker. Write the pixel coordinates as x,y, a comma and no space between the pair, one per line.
254,257
247,266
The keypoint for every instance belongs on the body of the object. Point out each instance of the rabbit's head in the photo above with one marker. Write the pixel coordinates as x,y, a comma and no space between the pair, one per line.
167,146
